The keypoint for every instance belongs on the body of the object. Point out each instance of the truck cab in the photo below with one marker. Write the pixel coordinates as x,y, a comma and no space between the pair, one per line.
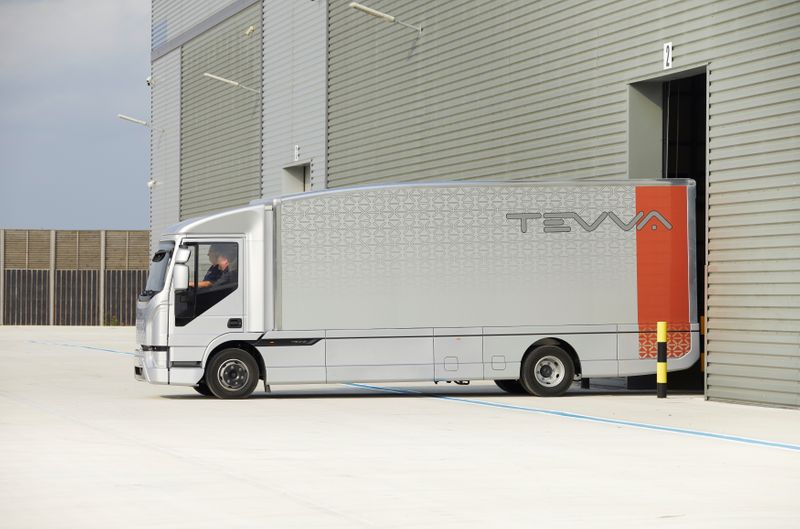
203,295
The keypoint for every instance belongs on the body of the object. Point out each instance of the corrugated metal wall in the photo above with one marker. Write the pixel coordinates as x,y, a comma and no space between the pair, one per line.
519,90
171,18
489,90
121,289
294,91
26,270
754,212
61,284
77,297
25,299
221,124
165,153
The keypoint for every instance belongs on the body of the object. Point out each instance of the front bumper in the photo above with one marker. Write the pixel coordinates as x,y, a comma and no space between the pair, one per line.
151,366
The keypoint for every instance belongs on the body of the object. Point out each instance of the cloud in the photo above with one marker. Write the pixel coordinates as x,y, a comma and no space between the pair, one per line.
67,67
43,37
70,59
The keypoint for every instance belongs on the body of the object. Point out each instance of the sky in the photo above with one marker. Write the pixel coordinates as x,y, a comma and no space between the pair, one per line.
67,68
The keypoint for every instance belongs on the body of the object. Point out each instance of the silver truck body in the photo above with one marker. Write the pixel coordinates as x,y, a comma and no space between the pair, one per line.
451,281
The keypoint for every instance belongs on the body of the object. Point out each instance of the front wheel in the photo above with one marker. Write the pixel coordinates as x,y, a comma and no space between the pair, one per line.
203,389
510,386
232,374
547,371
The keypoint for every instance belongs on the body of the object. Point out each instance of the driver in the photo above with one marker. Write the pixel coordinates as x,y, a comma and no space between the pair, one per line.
214,271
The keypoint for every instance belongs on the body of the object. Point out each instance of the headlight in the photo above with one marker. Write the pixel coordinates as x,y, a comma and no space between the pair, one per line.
157,359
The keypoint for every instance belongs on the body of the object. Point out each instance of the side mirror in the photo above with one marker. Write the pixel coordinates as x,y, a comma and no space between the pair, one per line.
182,254
180,277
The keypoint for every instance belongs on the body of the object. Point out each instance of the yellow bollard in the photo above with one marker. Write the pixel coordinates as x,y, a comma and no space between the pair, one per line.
702,344
661,369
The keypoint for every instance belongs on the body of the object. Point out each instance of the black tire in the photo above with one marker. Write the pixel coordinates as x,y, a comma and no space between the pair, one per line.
232,374
203,389
510,386
547,371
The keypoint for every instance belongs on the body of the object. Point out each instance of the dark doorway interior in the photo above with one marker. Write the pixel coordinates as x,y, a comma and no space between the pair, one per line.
683,155
684,152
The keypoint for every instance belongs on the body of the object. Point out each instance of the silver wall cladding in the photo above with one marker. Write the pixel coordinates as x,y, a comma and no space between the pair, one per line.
221,123
171,18
522,90
165,153
294,90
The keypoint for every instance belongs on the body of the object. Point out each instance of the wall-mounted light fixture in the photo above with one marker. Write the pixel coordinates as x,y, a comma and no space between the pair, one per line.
134,120
143,123
230,82
383,16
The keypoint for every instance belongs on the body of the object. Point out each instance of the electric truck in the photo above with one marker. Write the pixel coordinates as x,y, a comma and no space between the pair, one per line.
530,284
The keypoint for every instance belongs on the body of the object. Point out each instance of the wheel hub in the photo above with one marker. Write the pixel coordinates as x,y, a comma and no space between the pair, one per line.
549,371
233,374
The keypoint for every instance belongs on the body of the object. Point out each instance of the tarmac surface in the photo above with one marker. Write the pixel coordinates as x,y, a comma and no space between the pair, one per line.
84,445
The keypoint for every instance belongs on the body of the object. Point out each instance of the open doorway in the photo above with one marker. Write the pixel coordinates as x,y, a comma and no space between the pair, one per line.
684,152
296,178
667,129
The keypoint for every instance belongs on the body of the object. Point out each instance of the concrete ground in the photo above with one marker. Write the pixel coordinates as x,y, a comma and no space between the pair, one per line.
83,445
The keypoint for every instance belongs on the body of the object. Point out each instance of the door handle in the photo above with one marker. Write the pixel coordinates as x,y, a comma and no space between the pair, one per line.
235,323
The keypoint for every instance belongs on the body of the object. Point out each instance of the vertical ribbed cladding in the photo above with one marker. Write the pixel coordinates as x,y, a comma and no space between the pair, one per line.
165,154
220,123
753,317
294,90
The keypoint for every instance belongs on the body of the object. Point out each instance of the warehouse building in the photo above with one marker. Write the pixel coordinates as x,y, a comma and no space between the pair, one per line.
259,98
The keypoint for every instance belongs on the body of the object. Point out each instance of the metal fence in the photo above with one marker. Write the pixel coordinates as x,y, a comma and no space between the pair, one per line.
51,277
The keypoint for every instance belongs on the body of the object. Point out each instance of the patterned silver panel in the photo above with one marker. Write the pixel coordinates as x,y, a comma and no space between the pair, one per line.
449,257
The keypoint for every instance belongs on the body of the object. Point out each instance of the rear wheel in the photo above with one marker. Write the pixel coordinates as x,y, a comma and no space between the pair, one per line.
510,386
547,371
232,374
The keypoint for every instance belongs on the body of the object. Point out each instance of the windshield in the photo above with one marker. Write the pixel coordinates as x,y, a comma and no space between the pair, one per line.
158,270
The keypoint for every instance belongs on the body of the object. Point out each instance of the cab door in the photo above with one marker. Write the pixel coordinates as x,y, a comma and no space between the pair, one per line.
214,302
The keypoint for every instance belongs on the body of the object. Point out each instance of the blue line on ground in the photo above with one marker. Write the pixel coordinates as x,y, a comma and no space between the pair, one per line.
578,416
81,346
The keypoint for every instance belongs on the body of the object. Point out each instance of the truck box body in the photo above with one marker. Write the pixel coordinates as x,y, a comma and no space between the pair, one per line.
483,255
457,281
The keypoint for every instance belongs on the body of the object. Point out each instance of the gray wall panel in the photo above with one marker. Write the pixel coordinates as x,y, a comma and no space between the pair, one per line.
517,90
165,154
294,92
221,124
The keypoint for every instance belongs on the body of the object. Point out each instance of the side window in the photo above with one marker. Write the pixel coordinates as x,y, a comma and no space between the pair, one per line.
213,276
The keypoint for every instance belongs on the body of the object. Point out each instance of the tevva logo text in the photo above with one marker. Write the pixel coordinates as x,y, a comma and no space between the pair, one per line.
557,222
